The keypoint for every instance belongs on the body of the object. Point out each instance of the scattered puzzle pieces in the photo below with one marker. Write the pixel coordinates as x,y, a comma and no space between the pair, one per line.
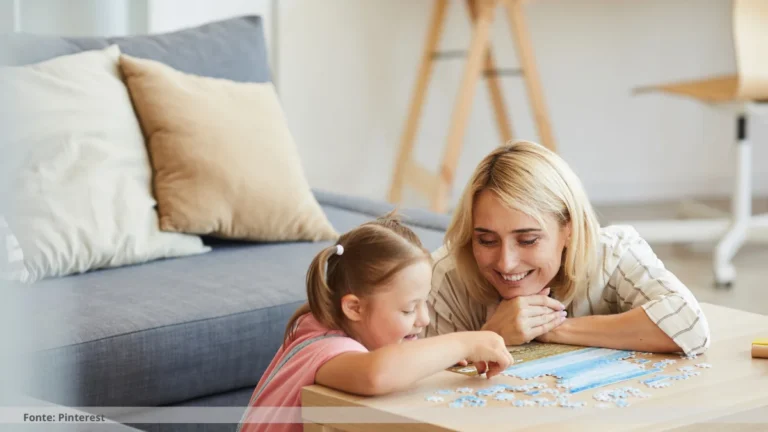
444,392
468,401
504,396
464,390
620,396
704,365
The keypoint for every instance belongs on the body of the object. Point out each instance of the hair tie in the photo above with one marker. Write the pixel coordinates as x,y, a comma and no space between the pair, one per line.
339,249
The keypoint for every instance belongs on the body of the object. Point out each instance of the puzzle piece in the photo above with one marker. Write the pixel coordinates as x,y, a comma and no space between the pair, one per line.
468,401
544,402
532,393
444,392
704,365
565,404
464,390
488,392
621,403
504,396
686,369
436,399
523,403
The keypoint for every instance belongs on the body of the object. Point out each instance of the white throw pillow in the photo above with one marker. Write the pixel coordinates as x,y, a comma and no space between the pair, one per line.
80,176
11,257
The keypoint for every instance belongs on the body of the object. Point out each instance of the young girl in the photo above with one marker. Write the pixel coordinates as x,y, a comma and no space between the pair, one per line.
358,332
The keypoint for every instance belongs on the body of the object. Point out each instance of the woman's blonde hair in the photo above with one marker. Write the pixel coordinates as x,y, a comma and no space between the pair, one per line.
535,181
373,253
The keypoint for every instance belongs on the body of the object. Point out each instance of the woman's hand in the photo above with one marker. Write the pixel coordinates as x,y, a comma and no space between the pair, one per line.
523,319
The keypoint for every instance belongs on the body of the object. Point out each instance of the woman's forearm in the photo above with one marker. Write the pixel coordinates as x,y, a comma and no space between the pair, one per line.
631,330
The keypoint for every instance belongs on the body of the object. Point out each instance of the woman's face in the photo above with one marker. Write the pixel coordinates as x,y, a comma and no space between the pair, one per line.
513,252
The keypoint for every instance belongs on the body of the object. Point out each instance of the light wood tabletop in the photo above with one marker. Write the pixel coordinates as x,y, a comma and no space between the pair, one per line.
731,395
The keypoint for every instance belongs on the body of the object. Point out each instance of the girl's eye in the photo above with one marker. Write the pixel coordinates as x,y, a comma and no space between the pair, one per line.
409,312
529,242
486,242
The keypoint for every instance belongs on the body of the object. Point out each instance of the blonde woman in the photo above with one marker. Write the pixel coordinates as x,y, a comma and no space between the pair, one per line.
526,258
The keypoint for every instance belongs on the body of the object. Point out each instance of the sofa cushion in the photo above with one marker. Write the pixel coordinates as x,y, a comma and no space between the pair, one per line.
224,161
232,49
177,329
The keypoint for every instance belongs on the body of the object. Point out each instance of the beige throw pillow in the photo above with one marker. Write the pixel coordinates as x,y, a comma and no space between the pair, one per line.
224,161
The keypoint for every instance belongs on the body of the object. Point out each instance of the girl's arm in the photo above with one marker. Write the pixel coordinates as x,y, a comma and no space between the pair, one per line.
396,367
631,330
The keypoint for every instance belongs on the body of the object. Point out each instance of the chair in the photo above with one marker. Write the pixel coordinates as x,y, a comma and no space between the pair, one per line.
745,94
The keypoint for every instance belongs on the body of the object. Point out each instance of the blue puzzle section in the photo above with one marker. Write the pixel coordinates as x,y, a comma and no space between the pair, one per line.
584,369
611,379
567,365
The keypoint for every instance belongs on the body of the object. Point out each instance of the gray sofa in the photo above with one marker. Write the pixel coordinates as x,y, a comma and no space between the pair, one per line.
194,331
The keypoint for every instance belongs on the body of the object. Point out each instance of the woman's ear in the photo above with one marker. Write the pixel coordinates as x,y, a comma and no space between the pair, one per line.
352,307
567,232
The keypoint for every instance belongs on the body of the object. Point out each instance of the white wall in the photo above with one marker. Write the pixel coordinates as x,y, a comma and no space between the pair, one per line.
346,69
83,17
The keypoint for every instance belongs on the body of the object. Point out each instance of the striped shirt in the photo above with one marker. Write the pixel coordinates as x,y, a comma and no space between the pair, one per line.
632,276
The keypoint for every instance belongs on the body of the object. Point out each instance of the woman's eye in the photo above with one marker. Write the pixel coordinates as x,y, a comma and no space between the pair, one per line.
486,242
529,242
409,312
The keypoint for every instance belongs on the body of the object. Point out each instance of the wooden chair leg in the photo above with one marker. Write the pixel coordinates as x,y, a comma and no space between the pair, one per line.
472,69
425,71
494,87
525,55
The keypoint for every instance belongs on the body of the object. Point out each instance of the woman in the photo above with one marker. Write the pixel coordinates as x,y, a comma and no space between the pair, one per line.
525,257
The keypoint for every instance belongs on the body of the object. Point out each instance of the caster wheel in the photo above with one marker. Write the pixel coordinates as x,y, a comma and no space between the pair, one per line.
724,276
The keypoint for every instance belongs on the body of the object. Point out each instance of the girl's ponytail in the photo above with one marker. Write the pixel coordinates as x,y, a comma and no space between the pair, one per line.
320,300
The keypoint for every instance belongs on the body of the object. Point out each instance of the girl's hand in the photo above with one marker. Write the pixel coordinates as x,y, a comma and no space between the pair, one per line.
523,319
486,347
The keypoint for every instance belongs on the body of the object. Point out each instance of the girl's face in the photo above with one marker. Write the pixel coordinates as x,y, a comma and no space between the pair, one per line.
398,312
513,252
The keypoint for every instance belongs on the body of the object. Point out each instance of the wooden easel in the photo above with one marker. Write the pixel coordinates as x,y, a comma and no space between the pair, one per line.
437,187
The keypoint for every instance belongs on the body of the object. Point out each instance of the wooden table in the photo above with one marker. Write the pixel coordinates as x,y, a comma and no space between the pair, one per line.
732,395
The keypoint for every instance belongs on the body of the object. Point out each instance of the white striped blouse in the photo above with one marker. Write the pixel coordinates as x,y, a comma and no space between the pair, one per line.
632,277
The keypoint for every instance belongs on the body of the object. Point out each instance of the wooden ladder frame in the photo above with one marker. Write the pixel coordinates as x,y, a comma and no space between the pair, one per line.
479,60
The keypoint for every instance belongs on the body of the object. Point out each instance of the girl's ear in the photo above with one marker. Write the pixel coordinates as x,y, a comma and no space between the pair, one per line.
352,307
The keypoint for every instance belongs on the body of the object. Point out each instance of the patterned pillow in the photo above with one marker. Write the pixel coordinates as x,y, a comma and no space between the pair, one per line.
11,257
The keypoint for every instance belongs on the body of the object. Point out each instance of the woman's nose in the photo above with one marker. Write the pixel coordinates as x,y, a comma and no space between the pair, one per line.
508,259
